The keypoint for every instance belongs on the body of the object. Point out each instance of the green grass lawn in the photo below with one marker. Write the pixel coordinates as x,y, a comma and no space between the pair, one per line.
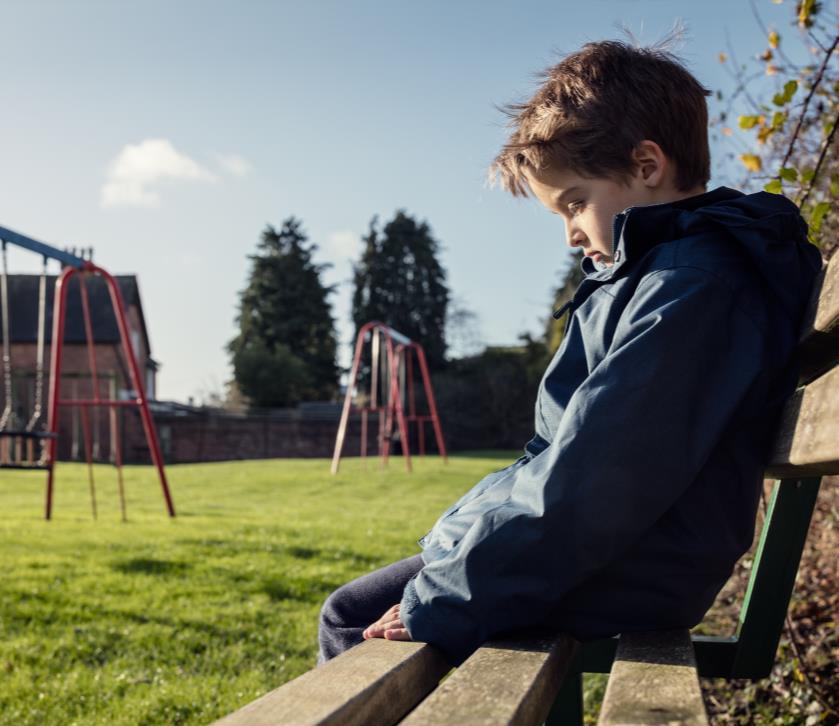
181,621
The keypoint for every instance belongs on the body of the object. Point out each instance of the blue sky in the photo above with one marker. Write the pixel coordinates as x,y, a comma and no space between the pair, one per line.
167,134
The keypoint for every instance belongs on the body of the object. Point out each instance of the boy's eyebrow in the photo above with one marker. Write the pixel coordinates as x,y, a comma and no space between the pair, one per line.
567,193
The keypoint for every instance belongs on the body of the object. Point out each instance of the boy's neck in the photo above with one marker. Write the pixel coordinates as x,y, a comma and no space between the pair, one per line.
671,194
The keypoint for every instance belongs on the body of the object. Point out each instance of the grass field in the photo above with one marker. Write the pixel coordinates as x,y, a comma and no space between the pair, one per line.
160,621
181,621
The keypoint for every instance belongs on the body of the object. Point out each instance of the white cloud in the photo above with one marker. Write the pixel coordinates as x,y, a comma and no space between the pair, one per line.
340,245
233,164
138,168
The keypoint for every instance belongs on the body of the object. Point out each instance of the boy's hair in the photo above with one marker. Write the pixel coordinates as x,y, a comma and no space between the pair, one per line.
596,105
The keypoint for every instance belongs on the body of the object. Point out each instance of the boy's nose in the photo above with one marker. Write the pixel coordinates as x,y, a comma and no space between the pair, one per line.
573,236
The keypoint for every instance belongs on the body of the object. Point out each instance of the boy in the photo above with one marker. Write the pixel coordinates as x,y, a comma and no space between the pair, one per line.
638,491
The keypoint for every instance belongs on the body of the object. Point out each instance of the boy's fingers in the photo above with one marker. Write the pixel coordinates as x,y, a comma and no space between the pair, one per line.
386,626
397,634
387,617
390,614
380,629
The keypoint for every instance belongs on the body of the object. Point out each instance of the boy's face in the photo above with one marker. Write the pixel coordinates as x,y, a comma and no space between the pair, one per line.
588,205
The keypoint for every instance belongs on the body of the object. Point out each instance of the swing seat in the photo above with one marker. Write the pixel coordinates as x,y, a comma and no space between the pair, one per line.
12,449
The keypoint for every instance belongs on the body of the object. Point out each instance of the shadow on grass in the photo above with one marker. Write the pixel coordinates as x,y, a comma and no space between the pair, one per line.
311,592
235,546
150,566
303,553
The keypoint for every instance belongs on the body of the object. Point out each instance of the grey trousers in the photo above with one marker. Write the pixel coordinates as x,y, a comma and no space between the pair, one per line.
359,603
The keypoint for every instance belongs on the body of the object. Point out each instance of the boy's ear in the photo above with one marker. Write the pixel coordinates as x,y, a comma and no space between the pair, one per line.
650,163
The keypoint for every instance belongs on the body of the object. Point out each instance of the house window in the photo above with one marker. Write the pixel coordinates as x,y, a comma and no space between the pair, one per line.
135,343
166,441
150,384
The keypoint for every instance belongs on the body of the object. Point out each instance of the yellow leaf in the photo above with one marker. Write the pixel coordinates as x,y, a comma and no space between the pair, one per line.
774,39
771,70
751,162
764,133
748,122
766,55
804,11
723,57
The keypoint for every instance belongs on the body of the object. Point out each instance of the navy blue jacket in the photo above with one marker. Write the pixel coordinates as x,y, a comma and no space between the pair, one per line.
638,492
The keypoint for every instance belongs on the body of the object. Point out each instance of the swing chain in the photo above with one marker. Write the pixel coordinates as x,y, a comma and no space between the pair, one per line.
7,356
39,363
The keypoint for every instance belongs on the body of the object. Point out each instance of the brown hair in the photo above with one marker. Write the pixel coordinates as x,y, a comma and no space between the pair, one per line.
596,105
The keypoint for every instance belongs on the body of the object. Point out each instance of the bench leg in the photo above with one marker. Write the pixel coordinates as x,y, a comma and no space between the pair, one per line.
568,706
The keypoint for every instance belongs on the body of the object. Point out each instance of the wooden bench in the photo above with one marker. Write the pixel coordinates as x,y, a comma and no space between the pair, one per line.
653,676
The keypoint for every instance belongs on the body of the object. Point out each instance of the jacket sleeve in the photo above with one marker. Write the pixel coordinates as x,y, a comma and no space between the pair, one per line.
632,438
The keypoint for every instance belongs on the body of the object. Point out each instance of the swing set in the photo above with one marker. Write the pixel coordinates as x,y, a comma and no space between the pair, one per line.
31,445
392,391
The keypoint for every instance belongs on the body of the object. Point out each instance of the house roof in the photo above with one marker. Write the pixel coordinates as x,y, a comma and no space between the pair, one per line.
23,309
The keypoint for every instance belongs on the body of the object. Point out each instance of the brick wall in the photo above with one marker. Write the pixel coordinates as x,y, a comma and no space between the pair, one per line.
216,436
77,383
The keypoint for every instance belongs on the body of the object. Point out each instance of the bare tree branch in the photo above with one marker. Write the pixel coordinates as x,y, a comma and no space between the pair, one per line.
765,30
828,141
813,88
754,104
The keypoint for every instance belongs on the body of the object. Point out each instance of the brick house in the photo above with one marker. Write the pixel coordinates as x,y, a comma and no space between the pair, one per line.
76,378
187,433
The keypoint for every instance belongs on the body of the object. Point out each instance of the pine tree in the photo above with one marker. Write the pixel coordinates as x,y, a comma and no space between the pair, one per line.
285,350
399,281
571,280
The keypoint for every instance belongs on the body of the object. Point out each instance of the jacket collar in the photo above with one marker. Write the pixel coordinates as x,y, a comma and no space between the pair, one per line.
636,230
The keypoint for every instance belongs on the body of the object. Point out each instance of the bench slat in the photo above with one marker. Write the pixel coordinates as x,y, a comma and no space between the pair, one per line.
823,314
504,682
819,342
378,681
807,443
653,681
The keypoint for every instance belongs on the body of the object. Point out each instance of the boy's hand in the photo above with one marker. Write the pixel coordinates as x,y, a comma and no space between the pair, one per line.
389,626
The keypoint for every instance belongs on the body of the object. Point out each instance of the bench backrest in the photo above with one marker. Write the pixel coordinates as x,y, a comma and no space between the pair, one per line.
806,447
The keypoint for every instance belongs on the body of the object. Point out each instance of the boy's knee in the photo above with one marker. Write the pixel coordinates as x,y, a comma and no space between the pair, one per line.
333,612
327,613
336,629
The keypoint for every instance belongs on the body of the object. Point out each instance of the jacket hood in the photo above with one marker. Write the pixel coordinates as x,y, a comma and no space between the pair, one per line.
767,227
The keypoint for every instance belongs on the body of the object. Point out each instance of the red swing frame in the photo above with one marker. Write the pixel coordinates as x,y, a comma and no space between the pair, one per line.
56,402
398,349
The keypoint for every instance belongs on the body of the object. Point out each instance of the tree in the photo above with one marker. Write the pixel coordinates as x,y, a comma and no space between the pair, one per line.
463,330
285,350
399,281
571,279
787,128
787,112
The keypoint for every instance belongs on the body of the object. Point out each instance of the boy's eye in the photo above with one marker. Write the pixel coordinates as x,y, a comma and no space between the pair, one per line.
574,207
